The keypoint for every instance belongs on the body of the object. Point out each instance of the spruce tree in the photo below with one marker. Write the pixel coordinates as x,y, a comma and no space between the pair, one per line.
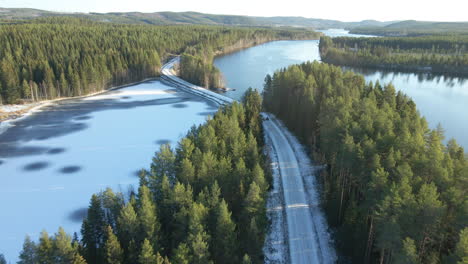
28,253
92,231
64,252
147,255
224,240
127,231
149,225
114,252
45,250
181,254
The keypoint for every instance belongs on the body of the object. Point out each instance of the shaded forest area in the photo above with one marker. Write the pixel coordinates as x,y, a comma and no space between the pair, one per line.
55,57
202,202
441,54
393,192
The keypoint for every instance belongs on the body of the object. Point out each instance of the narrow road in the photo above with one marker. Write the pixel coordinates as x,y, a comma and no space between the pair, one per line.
307,234
303,244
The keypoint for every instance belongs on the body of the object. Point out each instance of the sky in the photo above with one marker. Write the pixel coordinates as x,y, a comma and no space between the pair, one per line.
344,10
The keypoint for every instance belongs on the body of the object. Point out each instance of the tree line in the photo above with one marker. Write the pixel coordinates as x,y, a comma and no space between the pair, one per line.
202,202
393,192
55,57
434,53
197,62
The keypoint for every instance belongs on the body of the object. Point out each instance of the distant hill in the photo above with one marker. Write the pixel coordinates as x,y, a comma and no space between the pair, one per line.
373,27
414,28
165,18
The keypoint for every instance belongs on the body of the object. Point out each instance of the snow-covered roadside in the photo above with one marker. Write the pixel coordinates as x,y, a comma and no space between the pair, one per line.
275,249
28,109
313,189
167,75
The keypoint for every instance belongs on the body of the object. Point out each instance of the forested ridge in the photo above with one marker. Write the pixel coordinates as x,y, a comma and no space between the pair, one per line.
61,56
393,192
413,28
202,202
442,54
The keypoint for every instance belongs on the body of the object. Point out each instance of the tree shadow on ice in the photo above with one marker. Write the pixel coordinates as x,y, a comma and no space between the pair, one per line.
67,117
78,215
162,141
35,166
70,169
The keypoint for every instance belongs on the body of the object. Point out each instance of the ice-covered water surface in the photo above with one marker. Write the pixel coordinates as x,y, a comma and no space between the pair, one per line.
53,161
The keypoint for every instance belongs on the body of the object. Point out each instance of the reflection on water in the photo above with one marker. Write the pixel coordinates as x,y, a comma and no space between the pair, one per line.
54,160
440,99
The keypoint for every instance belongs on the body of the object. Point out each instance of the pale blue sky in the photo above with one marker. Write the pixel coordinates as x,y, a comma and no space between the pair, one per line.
345,10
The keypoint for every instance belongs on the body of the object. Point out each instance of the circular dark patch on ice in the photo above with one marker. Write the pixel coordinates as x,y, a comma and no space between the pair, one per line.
206,113
36,166
125,97
162,141
78,215
70,169
83,118
1,162
55,151
180,105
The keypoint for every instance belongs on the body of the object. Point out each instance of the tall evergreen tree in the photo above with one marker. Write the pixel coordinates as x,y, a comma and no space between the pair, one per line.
114,252
93,230
45,250
224,240
28,253
147,255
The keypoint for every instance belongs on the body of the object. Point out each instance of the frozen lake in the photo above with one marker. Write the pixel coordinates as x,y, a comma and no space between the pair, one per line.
54,160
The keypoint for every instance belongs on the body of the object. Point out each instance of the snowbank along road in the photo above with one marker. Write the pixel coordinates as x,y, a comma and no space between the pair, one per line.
308,240
168,76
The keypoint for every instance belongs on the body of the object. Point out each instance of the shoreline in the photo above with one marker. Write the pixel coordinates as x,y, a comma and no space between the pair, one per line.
36,106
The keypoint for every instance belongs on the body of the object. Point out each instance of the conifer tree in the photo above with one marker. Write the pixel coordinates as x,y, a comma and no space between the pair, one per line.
114,252
28,253
64,252
224,240
181,254
147,255
127,227
45,250
149,225
93,230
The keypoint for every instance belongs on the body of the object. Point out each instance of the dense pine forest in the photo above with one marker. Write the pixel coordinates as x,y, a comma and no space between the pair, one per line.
442,54
202,202
393,192
59,57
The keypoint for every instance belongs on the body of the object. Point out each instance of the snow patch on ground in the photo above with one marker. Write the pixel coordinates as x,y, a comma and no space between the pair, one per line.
122,94
275,248
169,77
14,108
